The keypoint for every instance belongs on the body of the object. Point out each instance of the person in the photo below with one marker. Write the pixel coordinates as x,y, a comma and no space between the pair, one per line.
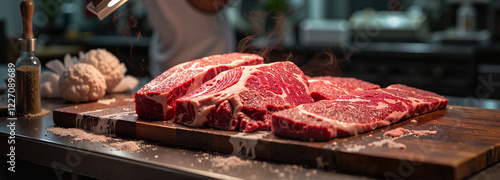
187,30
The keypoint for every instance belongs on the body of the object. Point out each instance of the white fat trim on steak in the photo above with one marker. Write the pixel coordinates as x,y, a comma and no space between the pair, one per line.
355,128
414,102
353,100
204,104
160,99
303,81
286,91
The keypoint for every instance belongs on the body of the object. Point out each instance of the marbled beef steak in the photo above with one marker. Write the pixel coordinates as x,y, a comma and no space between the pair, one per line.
156,100
243,98
329,87
356,113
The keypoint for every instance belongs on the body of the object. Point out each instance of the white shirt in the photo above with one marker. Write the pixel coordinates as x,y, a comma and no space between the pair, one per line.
182,33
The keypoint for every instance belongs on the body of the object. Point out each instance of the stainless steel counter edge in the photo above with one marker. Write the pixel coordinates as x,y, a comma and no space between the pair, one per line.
70,159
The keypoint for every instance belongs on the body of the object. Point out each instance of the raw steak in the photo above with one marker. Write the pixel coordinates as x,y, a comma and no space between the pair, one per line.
156,100
328,87
356,113
243,98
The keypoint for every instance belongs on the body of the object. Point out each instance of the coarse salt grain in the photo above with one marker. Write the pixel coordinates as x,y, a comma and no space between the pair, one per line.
423,132
397,132
130,146
228,163
281,175
389,142
355,148
79,134
106,101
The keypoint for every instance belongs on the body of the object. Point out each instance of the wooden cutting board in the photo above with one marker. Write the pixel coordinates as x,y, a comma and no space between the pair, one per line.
467,140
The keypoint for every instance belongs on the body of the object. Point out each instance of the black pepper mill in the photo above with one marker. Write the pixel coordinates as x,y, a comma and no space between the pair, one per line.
28,67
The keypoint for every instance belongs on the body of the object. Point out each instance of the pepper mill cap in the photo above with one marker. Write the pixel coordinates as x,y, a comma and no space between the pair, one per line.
26,45
27,42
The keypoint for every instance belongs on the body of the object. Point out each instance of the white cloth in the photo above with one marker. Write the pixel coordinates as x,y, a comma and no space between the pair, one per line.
182,33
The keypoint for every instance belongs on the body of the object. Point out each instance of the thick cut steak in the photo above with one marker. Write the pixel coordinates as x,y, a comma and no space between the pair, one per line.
356,113
328,87
156,100
243,98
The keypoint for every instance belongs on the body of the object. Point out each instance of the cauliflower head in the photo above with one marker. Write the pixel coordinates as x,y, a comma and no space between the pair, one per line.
82,83
107,63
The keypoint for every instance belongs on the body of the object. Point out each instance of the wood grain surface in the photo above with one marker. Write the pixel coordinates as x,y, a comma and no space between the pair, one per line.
467,141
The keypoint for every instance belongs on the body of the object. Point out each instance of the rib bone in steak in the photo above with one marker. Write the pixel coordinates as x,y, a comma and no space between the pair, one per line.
243,98
328,87
156,99
356,113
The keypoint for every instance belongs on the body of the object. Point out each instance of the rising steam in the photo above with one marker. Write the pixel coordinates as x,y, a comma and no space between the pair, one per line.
127,29
268,45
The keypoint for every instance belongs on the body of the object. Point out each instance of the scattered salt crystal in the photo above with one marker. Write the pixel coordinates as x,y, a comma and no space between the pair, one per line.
334,143
370,135
413,121
281,175
423,132
389,142
78,134
130,146
106,101
228,163
156,156
398,132
355,148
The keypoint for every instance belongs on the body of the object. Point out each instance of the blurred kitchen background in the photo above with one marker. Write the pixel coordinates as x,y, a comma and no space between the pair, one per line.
451,47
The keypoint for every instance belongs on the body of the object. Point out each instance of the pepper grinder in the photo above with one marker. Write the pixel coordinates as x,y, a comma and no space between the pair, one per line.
28,67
